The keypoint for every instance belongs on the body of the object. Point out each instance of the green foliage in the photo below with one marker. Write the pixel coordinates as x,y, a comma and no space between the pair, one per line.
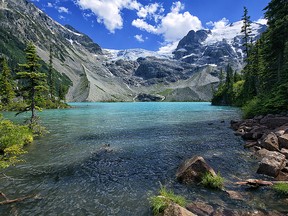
160,202
13,138
210,181
35,81
6,84
281,188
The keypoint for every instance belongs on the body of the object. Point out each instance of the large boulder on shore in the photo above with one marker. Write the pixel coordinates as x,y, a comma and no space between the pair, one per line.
283,141
272,164
176,210
273,122
193,169
270,142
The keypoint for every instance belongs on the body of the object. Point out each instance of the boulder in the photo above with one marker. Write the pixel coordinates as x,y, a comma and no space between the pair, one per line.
270,142
272,164
235,124
200,208
273,122
261,153
281,130
283,141
193,169
284,151
282,176
176,210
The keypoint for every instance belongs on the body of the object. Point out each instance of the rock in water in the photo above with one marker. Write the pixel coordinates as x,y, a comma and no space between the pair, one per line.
176,210
193,169
272,164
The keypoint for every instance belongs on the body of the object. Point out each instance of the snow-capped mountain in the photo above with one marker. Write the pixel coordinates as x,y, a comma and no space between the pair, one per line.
219,46
133,54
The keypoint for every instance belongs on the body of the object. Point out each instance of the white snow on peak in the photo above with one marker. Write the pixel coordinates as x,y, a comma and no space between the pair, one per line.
229,32
132,54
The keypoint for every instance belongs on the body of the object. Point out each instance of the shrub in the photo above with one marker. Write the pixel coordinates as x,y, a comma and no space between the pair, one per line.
13,138
281,188
160,203
210,181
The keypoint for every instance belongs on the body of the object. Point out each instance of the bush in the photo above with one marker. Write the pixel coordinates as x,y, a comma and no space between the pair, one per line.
281,188
160,203
13,138
210,181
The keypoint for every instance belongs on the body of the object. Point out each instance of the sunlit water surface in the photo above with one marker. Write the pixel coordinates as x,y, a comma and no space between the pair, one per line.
148,142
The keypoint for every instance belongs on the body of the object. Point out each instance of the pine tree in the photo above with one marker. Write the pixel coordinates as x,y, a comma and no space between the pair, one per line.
6,84
50,75
246,30
35,81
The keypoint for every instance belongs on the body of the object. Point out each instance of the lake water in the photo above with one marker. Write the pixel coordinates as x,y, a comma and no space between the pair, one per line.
148,142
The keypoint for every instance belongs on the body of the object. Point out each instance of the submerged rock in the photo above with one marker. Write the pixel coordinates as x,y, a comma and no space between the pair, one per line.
193,169
200,208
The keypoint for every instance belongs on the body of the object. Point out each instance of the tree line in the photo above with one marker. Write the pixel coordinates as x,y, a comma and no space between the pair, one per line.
262,86
28,91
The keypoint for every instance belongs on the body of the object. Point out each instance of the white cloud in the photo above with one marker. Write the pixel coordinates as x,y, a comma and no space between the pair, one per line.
221,24
49,4
108,12
150,9
141,24
63,10
61,17
168,48
173,26
139,38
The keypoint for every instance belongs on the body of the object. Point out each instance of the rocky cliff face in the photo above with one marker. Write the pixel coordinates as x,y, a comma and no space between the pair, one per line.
111,75
219,46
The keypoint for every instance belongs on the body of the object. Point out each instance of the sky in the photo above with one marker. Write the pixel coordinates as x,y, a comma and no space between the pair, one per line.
147,24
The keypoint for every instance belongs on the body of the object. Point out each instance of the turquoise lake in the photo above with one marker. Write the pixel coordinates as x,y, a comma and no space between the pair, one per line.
147,143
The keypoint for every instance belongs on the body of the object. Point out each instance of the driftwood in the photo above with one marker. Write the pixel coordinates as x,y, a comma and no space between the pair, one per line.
255,183
9,201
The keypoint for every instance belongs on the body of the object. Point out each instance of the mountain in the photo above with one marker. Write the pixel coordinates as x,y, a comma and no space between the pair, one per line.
221,46
96,74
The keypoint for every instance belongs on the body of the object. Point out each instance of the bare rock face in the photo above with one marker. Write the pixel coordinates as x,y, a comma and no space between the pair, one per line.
272,164
193,169
270,142
283,141
176,210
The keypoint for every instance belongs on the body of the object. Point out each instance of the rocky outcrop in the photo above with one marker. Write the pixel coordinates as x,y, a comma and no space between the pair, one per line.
149,98
267,136
192,170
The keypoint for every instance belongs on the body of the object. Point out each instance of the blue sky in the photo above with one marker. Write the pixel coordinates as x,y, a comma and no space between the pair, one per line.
148,24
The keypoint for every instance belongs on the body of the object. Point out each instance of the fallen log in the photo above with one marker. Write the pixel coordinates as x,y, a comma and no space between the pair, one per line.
255,183
9,201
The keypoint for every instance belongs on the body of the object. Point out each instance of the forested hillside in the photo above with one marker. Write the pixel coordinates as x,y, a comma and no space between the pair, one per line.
263,87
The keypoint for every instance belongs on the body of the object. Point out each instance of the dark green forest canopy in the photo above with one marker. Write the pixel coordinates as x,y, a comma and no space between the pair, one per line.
263,87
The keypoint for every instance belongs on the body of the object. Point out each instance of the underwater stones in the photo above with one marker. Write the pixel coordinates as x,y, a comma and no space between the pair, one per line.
200,208
192,170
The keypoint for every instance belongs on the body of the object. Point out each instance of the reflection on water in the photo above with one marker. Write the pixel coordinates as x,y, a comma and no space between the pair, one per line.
106,158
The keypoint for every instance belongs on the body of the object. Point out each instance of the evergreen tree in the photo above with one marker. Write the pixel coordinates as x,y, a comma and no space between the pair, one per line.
50,75
6,84
35,81
246,30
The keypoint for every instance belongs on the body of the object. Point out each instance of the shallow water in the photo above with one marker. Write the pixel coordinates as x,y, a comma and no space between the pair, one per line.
148,141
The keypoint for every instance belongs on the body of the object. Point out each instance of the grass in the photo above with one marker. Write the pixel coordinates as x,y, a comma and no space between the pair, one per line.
161,202
214,182
281,188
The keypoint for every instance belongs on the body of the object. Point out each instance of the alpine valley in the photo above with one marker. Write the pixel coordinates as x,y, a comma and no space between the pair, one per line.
92,73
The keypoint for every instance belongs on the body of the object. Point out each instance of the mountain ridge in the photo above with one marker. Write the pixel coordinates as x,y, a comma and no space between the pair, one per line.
106,75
